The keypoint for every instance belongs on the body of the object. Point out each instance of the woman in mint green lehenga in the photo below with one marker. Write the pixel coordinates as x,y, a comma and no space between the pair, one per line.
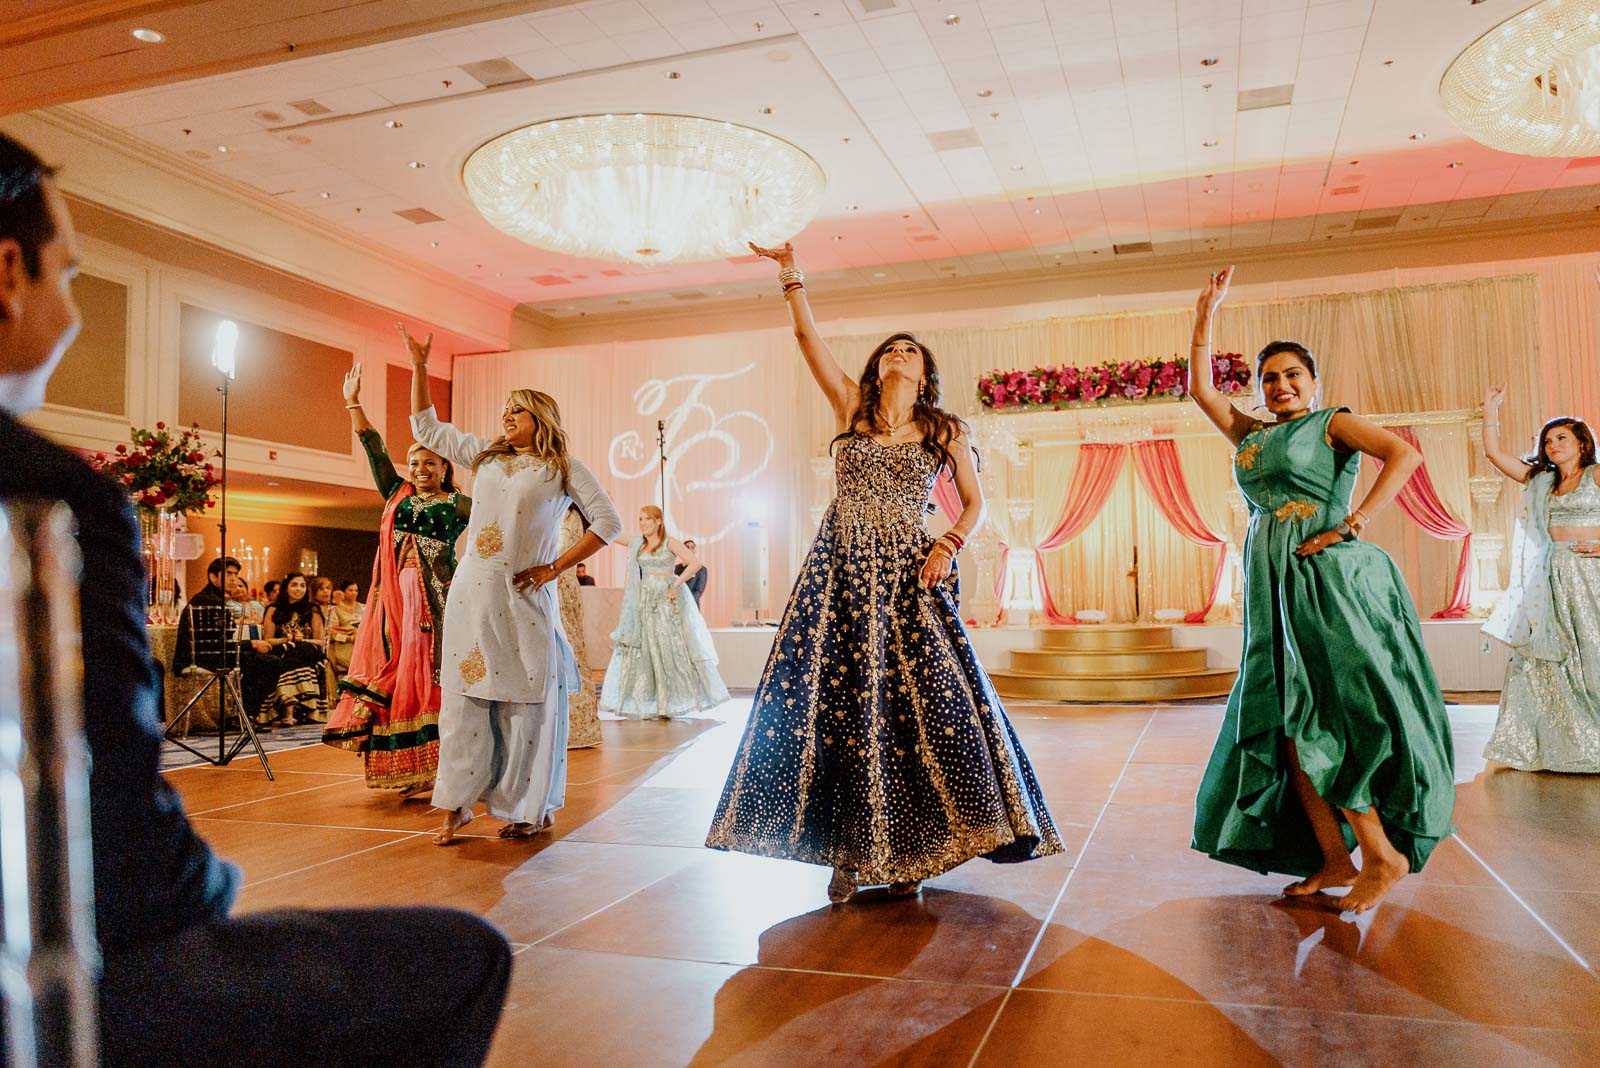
1335,733
1550,703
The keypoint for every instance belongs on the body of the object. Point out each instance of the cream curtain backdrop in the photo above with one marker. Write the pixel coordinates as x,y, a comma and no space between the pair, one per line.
1381,349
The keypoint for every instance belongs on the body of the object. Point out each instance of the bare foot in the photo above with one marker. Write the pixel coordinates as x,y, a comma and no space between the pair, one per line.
1377,876
905,889
842,887
520,830
408,792
454,820
1341,872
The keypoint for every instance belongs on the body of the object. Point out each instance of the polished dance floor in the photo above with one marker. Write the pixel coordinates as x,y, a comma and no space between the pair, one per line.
636,946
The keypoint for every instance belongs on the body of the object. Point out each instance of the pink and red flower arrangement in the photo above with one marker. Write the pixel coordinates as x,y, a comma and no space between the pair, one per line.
163,472
1111,382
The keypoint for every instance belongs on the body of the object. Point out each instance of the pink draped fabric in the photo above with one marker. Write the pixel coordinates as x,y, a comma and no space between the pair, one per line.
945,495
1162,474
1093,479
1420,500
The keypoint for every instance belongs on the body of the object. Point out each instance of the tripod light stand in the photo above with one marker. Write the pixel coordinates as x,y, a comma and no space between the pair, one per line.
225,677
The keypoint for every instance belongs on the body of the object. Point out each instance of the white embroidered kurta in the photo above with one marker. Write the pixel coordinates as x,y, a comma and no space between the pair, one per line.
499,644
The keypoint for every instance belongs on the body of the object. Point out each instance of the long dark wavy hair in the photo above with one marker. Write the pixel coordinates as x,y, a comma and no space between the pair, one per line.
1540,459
285,611
939,427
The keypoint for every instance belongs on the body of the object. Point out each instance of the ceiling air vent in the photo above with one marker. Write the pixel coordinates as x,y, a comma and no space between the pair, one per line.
690,294
950,140
925,237
1132,247
419,216
873,7
498,71
550,280
310,107
1378,222
610,273
1273,96
1345,191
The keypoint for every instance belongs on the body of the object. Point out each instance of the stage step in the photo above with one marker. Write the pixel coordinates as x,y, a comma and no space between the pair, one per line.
1090,689
1097,665
1092,638
1091,663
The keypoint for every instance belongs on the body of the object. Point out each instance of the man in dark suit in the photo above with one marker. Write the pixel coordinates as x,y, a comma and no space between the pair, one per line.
697,581
182,981
584,578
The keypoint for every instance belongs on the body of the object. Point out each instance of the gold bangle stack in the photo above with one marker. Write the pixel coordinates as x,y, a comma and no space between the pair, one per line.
791,278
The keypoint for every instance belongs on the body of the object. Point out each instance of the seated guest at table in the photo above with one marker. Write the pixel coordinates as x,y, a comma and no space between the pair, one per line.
188,653
342,623
293,628
182,982
697,581
584,578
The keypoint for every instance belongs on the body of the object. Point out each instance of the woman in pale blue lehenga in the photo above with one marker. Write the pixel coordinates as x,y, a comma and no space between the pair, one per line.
663,663
1550,615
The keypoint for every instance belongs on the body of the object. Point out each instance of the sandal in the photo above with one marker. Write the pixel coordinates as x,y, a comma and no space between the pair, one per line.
905,889
408,792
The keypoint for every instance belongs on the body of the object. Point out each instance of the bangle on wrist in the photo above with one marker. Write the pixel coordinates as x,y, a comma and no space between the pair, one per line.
351,407
791,273
791,287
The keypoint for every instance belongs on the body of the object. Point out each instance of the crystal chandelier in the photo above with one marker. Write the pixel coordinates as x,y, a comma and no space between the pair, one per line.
645,189
1531,85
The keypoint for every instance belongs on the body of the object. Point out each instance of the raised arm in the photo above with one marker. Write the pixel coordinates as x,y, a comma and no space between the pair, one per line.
1509,464
1233,423
433,433
842,393
384,475
692,564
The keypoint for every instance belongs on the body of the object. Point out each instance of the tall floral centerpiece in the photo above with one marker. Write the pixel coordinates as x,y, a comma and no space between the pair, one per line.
1111,382
168,475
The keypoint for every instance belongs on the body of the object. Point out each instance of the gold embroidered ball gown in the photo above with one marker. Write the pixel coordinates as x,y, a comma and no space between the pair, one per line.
876,743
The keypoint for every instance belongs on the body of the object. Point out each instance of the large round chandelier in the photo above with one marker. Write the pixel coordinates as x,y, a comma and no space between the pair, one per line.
644,188
1531,85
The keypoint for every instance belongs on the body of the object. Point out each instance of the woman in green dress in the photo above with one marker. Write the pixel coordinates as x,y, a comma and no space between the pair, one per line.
1335,733
388,707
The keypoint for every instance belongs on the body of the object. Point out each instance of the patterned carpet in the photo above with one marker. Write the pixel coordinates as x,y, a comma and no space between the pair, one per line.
279,738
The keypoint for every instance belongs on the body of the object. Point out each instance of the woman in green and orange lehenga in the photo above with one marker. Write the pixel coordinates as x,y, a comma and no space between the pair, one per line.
389,699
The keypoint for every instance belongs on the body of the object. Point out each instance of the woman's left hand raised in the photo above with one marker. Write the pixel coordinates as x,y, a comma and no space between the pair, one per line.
534,577
936,568
1313,546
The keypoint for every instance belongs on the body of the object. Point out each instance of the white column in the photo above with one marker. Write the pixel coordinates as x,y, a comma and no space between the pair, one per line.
1487,545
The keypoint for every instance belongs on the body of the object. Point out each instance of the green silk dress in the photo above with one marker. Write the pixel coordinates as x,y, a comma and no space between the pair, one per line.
1333,659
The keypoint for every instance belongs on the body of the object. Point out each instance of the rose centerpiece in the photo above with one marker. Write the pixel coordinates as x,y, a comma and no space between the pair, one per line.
1111,382
168,475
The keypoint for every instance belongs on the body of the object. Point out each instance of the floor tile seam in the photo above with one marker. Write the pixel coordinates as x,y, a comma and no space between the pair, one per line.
994,1021
327,826
333,860
777,968
1531,911
609,905
273,797
1451,1019
1077,861
278,771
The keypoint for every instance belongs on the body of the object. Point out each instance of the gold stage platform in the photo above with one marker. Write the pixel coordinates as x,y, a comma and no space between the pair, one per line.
1092,663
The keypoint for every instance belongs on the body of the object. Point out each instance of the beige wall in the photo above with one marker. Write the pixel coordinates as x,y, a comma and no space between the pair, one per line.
93,374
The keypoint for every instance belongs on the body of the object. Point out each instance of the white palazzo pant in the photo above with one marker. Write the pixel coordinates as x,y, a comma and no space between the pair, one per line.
510,756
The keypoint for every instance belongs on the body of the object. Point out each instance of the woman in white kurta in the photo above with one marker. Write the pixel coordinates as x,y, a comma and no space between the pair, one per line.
507,667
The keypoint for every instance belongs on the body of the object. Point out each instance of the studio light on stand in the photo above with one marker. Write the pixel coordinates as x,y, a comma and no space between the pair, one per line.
225,675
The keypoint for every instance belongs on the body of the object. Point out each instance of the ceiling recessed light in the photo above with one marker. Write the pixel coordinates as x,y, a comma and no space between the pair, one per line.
838,237
274,483
1209,189
1210,61
1016,166
325,196
393,124
415,165
1208,144
1418,136
984,94
149,36
433,244
224,148
673,75
853,207
1355,163
880,274
952,20
1453,166
1036,211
